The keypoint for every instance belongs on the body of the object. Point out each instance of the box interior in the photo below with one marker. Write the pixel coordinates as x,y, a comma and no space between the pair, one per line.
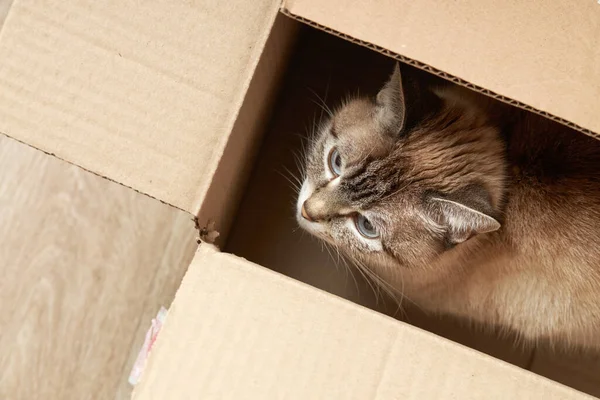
322,71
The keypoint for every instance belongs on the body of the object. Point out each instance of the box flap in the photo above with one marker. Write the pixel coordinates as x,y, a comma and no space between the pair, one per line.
239,331
144,93
541,54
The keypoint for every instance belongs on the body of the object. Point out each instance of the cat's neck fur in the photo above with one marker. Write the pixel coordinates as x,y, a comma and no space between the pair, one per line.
539,274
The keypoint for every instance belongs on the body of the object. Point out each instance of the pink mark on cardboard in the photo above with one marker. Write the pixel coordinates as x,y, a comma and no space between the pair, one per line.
151,335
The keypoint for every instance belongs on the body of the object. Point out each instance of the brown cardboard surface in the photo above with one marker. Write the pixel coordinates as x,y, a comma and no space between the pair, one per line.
230,178
142,93
236,330
542,54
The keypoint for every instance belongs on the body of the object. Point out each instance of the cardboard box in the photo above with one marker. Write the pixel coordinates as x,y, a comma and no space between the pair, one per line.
171,100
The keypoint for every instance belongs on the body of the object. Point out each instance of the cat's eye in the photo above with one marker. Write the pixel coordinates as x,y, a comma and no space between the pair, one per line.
365,227
334,160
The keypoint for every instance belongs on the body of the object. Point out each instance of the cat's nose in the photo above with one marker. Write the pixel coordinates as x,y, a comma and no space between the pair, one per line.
324,205
304,213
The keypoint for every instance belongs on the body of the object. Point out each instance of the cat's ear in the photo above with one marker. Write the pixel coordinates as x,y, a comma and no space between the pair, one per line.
464,221
391,105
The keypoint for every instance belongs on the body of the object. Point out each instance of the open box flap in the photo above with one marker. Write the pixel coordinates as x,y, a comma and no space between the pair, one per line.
238,331
143,93
542,54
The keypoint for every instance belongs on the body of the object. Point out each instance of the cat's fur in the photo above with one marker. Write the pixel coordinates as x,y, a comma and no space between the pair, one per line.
483,211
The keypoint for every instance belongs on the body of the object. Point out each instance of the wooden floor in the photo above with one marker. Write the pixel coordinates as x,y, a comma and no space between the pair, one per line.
85,264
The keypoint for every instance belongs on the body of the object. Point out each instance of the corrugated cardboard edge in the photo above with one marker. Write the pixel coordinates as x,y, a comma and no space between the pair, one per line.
229,179
437,72
237,106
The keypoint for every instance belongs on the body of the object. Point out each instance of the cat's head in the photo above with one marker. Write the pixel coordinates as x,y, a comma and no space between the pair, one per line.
395,183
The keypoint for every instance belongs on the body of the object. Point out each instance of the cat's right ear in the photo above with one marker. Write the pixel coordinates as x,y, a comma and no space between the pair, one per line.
391,105
465,213
463,222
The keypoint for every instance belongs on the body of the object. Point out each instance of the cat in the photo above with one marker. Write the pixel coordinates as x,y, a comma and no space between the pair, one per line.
464,205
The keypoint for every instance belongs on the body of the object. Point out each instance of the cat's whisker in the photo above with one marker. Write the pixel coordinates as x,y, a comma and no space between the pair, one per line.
349,271
341,259
302,151
404,297
368,278
323,109
294,177
321,103
299,166
315,127
344,264
381,284
324,100
395,192
303,138
293,181
386,287
400,292
365,157
400,307
330,255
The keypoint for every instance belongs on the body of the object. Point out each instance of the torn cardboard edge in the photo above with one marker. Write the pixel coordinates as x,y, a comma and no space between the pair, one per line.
151,335
438,72
207,233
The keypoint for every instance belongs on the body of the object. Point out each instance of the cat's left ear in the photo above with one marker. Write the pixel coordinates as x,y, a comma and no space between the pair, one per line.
464,221
391,105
